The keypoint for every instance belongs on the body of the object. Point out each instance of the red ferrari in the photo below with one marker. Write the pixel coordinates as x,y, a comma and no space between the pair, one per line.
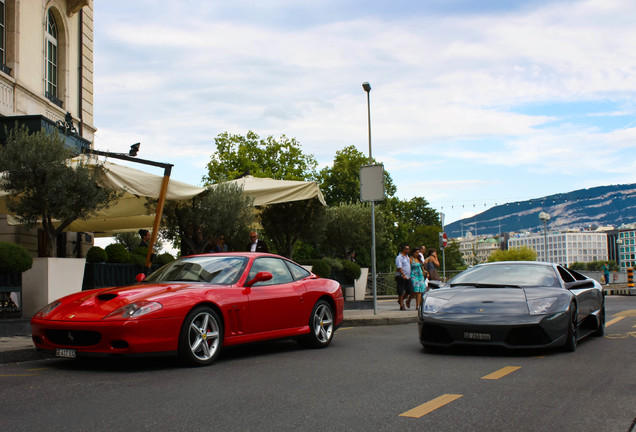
194,306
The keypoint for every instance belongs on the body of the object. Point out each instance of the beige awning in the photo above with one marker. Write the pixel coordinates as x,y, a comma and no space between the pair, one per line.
267,191
129,212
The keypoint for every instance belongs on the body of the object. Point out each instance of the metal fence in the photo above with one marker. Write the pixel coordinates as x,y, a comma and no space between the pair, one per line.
385,282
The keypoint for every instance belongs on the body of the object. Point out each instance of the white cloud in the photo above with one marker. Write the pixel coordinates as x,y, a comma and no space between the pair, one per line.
455,95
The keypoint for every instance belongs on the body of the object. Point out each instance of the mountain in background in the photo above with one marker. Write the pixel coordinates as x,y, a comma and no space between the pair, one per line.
600,206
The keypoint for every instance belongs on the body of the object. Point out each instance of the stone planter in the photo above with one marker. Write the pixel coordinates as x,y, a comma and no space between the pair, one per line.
48,280
361,284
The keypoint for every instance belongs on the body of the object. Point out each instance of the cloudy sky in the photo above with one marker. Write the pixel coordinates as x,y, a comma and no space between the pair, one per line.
473,103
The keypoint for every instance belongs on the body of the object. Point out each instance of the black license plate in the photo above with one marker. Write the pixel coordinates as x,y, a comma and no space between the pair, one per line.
66,353
477,336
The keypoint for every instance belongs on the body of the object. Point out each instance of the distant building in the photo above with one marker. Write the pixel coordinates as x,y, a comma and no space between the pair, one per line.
564,248
477,249
626,244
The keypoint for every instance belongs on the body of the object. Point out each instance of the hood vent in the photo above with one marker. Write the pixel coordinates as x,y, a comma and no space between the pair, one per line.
106,297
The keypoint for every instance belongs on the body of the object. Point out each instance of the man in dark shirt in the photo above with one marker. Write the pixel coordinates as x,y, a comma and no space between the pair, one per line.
256,245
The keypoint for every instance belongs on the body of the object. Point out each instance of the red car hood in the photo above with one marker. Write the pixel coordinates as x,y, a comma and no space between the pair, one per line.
96,304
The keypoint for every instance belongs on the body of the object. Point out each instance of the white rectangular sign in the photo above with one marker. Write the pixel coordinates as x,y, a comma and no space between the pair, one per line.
372,183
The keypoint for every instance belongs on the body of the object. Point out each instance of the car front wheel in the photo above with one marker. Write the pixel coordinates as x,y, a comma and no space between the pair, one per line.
572,332
321,326
600,331
201,337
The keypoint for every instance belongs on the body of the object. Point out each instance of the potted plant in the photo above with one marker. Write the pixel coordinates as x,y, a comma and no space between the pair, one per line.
49,189
14,260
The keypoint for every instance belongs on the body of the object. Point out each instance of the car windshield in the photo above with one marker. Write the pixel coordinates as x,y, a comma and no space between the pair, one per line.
220,270
519,275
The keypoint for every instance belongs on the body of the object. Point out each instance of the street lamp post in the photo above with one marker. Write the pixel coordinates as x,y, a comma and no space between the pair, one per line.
367,88
545,218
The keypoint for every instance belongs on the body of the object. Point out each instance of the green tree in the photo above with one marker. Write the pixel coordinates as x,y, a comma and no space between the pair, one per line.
287,223
349,229
425,235
45,187
413,221
222,209
453,256
281,158
340,183
520,254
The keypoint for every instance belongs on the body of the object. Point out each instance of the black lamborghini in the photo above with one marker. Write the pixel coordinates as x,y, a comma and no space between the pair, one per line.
518,305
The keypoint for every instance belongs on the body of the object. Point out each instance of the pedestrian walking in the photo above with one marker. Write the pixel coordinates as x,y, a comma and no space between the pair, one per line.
403,275
606,272
418,276
431,264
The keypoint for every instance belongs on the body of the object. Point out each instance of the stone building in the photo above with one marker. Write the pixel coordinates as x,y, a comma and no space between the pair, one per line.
564,248
46,81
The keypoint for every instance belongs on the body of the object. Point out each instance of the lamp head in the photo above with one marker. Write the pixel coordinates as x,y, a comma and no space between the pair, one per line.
366,86
134,149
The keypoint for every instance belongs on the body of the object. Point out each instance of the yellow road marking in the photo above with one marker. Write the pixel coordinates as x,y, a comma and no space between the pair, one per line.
426,408
501,372
614,321
38,369
621,335
345,328
627,313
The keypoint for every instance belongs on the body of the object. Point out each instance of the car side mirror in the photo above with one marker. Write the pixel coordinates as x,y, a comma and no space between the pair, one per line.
260,277
140,277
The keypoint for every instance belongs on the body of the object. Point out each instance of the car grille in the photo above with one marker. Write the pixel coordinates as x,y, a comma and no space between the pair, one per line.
73,337
527,336
435,334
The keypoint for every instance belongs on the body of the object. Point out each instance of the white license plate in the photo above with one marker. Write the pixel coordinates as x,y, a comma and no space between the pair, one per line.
66,353
477,336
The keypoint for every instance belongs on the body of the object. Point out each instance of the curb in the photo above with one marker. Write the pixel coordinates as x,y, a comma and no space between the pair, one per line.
377,321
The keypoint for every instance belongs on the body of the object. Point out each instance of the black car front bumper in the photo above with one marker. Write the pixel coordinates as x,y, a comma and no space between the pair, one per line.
514,332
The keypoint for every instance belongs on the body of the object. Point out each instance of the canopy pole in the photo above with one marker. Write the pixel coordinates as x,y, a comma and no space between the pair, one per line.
155,225
162,192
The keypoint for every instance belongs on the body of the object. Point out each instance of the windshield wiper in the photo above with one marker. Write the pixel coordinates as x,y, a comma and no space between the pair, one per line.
484,285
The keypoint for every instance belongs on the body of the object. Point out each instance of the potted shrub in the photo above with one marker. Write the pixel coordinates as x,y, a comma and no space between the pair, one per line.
117,253
14,260
163,259
95,257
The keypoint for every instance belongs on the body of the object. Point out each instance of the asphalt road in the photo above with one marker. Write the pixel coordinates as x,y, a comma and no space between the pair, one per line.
370,379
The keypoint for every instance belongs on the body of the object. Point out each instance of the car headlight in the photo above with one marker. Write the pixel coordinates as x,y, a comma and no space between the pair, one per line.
540,306
47,309
134,310
433,304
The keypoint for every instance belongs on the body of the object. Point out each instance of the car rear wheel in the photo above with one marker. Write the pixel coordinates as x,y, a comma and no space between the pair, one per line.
572,333
201,337
321,326
600,331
